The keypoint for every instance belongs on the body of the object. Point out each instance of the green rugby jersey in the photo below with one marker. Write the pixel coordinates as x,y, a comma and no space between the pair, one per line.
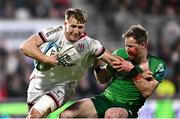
123,90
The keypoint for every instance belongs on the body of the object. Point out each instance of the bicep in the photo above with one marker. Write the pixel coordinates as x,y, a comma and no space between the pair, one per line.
37,40
31,42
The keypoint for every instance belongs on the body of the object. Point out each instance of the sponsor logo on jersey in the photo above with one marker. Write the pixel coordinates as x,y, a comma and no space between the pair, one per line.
53,31
60,45
159,72
65,60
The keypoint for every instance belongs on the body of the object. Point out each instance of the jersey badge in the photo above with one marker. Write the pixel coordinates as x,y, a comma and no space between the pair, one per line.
159,72
80,47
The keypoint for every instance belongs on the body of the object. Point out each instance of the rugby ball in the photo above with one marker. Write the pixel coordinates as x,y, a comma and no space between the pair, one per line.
48,48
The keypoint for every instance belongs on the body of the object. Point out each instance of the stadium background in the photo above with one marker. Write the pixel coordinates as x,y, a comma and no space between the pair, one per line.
107,20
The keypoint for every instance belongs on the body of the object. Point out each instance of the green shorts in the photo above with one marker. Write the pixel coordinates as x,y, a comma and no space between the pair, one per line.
101,104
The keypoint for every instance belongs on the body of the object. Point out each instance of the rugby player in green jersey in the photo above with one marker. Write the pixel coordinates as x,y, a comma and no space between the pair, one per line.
131,81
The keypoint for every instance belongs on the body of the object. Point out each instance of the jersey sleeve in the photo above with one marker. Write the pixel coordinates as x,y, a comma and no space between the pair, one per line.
51,33
159,72
96,49
109,68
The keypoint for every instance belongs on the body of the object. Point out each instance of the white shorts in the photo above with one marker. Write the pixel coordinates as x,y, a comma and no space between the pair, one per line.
60,93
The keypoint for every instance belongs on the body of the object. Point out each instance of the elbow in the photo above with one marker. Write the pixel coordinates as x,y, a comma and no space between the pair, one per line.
22,48
28,44
25,48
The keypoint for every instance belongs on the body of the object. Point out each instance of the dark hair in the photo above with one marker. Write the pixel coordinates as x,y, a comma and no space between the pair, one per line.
78,14
138,33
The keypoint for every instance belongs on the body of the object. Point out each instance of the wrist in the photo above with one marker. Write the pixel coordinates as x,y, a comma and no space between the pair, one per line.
135,71
138,77
130,67
46,59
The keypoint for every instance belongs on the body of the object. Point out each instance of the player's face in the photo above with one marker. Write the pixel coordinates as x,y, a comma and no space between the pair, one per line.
132,48
73,29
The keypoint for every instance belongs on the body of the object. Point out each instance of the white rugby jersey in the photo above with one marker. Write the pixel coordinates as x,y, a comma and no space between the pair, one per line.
78,58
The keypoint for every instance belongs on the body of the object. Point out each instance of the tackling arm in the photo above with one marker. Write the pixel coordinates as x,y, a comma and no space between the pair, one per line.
146,83
108,58
101,73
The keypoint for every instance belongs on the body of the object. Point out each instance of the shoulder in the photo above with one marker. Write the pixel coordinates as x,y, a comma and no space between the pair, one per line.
89,40
156,60
52,30
121,52
158,67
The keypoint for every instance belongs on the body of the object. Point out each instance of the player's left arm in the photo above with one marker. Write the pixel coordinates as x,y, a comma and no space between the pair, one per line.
146,83
109,58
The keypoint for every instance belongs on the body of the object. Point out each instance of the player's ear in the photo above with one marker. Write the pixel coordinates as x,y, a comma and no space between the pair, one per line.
143,45
65,25
65,22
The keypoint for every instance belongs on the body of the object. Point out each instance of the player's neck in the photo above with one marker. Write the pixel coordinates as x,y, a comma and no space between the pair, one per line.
143,57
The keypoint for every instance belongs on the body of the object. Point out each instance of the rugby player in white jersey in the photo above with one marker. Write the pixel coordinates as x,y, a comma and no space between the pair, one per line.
48,90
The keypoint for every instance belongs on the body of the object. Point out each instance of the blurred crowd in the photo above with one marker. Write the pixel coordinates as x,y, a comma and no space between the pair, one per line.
16,68
14,74
116,12
12,9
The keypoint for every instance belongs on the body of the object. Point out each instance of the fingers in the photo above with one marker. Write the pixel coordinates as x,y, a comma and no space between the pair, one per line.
118,61
114,58
147,74
56,54
120,58
118,68
121,65
53,60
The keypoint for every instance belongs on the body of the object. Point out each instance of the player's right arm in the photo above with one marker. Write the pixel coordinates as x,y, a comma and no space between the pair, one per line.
30,47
